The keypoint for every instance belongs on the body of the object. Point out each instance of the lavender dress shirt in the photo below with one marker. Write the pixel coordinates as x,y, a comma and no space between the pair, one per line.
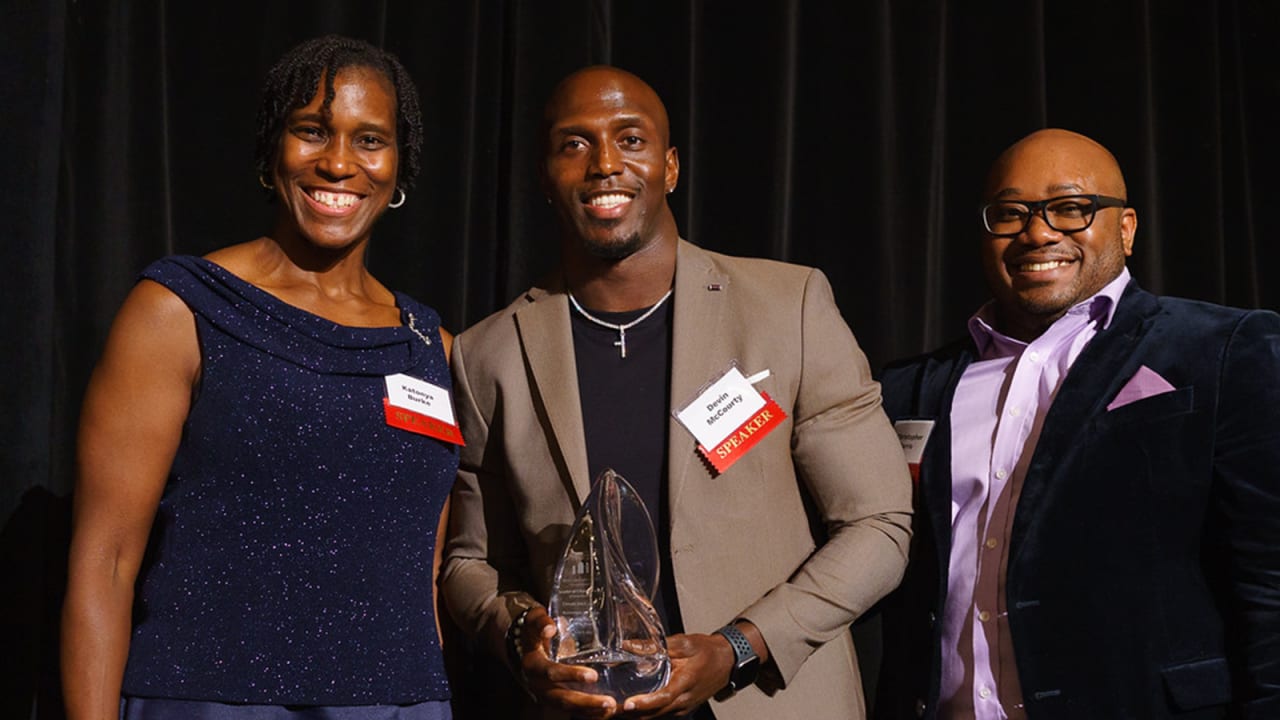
996,416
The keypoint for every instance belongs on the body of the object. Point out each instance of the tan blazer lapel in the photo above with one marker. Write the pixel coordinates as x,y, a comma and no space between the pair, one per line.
547,339
697,343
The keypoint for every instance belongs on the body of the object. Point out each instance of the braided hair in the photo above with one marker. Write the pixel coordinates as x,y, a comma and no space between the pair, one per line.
292,83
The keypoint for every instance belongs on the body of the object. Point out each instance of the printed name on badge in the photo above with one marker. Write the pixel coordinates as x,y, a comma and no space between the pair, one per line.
913,434
729,417
420,407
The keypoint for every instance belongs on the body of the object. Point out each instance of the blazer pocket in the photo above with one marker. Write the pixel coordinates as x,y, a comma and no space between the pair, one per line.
1157,407
1198,684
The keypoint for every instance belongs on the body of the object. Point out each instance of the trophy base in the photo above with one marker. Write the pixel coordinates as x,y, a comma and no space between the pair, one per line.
621,674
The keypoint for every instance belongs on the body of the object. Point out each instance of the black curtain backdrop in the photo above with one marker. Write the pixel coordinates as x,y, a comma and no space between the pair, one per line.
853,136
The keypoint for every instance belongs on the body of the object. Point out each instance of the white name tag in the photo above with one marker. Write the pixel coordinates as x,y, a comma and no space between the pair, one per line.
913,434
409,393
726,405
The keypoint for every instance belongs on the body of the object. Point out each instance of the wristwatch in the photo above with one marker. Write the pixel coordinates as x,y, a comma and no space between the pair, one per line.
746,664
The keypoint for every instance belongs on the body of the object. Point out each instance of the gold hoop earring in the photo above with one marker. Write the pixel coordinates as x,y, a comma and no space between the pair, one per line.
266,185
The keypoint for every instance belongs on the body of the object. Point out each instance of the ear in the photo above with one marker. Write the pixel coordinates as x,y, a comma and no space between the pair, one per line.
1128,229
673,170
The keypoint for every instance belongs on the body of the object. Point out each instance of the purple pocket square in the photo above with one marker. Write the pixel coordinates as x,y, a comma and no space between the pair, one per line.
1144,384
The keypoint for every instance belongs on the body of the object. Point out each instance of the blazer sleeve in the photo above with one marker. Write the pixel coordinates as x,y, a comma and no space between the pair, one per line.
848,457
1247,502
484,554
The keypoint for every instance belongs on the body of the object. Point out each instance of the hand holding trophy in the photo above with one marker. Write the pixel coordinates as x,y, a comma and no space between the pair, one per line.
602,594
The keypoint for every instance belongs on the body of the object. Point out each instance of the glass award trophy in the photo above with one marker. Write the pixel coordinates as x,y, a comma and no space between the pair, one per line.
602,594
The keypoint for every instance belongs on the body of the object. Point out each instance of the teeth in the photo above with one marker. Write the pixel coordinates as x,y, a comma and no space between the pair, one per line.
334,200
1037,267
608,200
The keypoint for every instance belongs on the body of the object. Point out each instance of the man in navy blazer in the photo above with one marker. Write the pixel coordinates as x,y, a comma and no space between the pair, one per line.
1098,478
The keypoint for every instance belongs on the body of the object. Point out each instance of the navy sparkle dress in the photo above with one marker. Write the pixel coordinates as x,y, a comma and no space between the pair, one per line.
290,562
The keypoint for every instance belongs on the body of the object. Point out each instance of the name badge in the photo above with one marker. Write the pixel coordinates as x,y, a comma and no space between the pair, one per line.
420,407
913,434
729,417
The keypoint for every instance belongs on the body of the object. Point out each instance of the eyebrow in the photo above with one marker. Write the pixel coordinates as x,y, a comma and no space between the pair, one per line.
638,121
376,127
626,121
318,118
1061,187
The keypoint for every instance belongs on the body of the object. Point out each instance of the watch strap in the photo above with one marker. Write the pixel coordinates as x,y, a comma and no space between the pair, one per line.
746,664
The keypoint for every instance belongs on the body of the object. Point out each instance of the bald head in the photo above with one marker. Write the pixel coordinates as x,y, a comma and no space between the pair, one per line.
607,85
1081,164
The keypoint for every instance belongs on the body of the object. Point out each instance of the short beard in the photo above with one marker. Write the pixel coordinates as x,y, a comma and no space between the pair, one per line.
1050,308
613,251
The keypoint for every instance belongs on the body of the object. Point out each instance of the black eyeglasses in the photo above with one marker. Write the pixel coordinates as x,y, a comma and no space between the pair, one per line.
1066,214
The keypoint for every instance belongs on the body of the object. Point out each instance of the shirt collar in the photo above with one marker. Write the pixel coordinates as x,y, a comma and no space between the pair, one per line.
1099,307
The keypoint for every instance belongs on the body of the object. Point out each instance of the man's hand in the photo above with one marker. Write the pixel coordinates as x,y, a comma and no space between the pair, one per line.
550,682
700,666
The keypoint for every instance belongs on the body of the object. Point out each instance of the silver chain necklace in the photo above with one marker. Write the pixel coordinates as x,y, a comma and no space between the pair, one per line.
621,342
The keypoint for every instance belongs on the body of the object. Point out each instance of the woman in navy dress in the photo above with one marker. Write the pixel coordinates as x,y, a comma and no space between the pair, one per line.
253,535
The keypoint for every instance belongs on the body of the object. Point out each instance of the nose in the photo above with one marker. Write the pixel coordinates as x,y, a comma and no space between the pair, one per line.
606,160
1037,231
335,163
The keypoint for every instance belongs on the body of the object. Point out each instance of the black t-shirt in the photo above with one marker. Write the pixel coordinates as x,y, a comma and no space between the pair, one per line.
625,417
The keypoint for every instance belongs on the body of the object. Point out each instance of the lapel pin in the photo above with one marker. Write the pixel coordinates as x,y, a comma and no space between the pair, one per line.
714,287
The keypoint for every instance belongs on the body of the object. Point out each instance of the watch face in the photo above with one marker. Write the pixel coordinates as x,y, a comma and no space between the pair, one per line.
745,673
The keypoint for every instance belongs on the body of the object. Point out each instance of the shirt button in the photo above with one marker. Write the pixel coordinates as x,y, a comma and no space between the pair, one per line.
1001,474
1033,356
984,616
992,543
984,693
1015,411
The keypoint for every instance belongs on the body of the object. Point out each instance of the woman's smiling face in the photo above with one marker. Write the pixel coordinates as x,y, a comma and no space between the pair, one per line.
335,171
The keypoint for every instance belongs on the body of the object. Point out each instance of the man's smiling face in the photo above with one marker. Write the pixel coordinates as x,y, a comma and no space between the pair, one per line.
1040,273
608,166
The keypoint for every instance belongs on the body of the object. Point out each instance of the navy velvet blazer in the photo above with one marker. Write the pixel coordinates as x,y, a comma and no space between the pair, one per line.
1144,568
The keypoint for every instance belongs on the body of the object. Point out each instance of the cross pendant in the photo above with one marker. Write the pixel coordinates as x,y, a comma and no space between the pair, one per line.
621,342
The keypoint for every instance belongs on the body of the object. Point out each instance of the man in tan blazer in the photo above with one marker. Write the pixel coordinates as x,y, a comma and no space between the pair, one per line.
767,562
